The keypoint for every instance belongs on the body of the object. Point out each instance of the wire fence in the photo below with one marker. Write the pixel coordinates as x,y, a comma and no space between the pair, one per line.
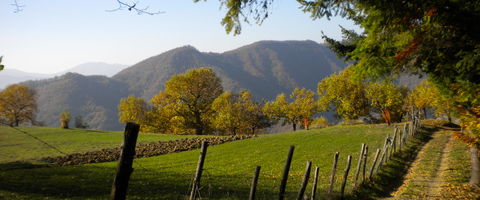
393,143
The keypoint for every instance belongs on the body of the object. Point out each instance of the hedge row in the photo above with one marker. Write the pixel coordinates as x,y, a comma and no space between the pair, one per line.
142,150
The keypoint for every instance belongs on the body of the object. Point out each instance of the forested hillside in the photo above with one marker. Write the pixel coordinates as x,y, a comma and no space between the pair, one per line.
265,68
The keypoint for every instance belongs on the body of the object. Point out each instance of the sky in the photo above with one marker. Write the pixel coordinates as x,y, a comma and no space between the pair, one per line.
50,36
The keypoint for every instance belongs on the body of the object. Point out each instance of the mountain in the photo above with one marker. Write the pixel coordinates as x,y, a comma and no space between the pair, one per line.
265,68
96,68
11,76
95,98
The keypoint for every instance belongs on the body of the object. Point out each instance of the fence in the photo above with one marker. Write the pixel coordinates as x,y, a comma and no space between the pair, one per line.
393,143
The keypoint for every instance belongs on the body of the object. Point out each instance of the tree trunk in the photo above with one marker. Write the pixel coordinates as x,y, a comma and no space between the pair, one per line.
198,124
475,175
253,131
306,123
294,126
198,131
424,112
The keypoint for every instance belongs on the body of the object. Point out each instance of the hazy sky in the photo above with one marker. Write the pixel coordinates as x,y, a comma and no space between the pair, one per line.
53,35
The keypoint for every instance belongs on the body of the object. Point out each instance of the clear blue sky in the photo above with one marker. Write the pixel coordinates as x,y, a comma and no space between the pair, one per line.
51,35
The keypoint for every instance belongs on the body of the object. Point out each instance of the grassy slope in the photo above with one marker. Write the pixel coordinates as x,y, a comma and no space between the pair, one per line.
228,168
15,145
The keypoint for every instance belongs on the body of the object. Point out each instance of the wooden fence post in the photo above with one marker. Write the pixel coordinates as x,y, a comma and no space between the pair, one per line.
387,152
124,167
198,174
394,141
365,163
253,189
374,163
400,145
286,169
405,134
314,186
345,176
359,164
383,158
306,176
334,170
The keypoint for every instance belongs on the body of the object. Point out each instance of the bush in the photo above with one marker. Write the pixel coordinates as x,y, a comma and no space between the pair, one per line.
320,122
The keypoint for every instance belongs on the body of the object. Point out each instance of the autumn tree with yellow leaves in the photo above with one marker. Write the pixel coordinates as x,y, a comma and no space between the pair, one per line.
301,108
238,113
344,94
387,99
17,104
64,120
189,97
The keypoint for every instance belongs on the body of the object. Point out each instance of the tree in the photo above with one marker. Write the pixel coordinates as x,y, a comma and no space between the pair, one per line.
80,123
17,104
132,109
438,38
237,113
304,105
302,108
320,122
443,106
190,96
162,117
64,120
229,116
344,94
255,118
386,98
1,66
422,97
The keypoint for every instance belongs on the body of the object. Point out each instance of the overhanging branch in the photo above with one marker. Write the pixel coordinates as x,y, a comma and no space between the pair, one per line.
18,7
134,6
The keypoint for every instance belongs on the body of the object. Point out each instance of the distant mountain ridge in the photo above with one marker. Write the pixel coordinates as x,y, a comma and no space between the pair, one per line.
95,68
12,76
265,68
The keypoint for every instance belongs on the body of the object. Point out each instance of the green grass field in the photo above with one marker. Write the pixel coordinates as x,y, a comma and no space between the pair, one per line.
16,145
228,169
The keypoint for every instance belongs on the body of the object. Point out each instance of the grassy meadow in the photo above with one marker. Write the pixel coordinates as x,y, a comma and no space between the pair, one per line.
16,145
228,168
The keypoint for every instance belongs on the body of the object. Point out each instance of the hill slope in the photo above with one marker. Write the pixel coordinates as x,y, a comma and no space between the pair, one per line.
16,145
95,98
265,68
228,168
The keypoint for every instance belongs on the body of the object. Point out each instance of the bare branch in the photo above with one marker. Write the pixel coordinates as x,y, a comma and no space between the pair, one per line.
122,5
18,7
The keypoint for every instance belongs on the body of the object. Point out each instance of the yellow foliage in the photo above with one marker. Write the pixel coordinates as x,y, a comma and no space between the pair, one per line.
64,119
345,94
320,122
17,104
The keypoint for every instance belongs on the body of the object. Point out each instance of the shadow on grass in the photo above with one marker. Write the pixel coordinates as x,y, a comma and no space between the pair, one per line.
31,181
392,174
20,165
